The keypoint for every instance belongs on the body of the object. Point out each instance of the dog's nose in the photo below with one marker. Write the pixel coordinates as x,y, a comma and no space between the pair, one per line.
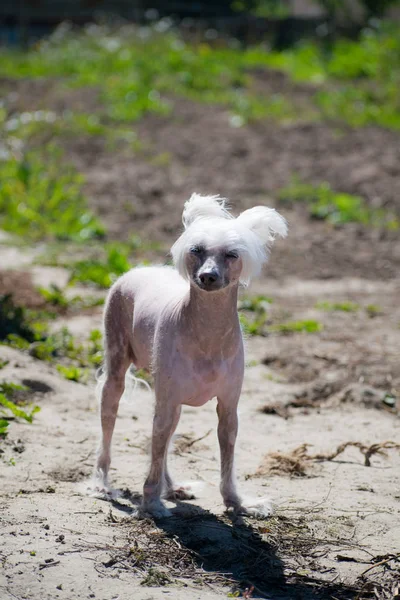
209,278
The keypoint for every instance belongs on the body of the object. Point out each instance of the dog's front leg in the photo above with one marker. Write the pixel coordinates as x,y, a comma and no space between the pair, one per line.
227,433
165,421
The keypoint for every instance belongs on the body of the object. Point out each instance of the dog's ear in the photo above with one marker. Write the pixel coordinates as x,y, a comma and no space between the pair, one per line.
204,206
265,222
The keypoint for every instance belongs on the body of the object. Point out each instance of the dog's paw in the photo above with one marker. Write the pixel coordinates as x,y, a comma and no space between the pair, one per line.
156,509
98,488
182,492
258,509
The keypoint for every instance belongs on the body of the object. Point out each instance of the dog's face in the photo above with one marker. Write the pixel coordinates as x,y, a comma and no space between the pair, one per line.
212,268
217,250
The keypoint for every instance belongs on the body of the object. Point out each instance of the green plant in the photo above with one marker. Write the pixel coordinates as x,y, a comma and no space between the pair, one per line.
137,70
73,373
307,326
340,306
102,273
9,409
41,198
360,77
253,314
13,320
336,207
57,297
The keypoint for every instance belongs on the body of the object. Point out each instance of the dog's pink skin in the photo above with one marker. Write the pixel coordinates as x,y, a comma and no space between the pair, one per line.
183,325
192,340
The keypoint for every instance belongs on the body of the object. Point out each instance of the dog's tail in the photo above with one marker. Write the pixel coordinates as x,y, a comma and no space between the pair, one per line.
131,383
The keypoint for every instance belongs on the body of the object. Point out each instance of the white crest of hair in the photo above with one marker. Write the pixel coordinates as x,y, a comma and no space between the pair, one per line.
204,206
207,222
265,222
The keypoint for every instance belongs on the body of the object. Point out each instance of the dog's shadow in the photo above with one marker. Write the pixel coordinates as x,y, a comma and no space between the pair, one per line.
231,546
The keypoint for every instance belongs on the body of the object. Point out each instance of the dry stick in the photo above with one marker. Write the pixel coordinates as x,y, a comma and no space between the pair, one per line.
190,444
380,563
367,451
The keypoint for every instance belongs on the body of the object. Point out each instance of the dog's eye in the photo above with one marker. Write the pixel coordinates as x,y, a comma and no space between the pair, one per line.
232,254
196,249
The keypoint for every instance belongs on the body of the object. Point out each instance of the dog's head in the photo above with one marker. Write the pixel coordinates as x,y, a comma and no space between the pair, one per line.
217,250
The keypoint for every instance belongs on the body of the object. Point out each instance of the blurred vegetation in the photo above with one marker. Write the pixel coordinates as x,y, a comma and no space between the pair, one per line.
12,408
137,70
40,196
336,207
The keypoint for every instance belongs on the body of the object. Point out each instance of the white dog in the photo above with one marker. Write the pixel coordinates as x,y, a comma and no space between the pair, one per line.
182,323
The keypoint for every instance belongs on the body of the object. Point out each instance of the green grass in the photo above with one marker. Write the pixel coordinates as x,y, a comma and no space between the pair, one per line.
41,198
336,207
338,306
136,70
102,273
253,314
307,326
57,297
10,410
28,331
361,77
73,373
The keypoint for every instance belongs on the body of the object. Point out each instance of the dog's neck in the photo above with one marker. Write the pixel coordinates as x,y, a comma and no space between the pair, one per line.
211,319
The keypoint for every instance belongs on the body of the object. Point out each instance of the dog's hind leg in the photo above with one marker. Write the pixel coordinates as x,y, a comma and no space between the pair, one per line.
117,360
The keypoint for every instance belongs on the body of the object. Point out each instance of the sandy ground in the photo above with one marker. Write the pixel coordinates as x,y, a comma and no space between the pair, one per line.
334,518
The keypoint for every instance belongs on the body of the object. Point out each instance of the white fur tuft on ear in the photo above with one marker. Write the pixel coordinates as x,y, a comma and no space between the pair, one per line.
265,223
204,206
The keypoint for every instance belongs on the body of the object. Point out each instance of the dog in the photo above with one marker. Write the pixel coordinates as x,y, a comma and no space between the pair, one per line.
182,323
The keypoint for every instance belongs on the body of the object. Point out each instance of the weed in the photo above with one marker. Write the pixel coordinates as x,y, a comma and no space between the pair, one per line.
42,198
73,373
336,208
9,409
373,310
257,306
338,306
22,329
61,345
57,297
155,578
362,75
102,273
137,69
308,326
13,320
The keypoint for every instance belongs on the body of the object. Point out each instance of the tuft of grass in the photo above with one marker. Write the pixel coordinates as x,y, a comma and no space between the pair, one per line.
307,326
40,197
336,207
339,306
73,373
10,410
373,310
102,273
57,297
253,314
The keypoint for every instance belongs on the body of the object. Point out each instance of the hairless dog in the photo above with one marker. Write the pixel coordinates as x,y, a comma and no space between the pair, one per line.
182,323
